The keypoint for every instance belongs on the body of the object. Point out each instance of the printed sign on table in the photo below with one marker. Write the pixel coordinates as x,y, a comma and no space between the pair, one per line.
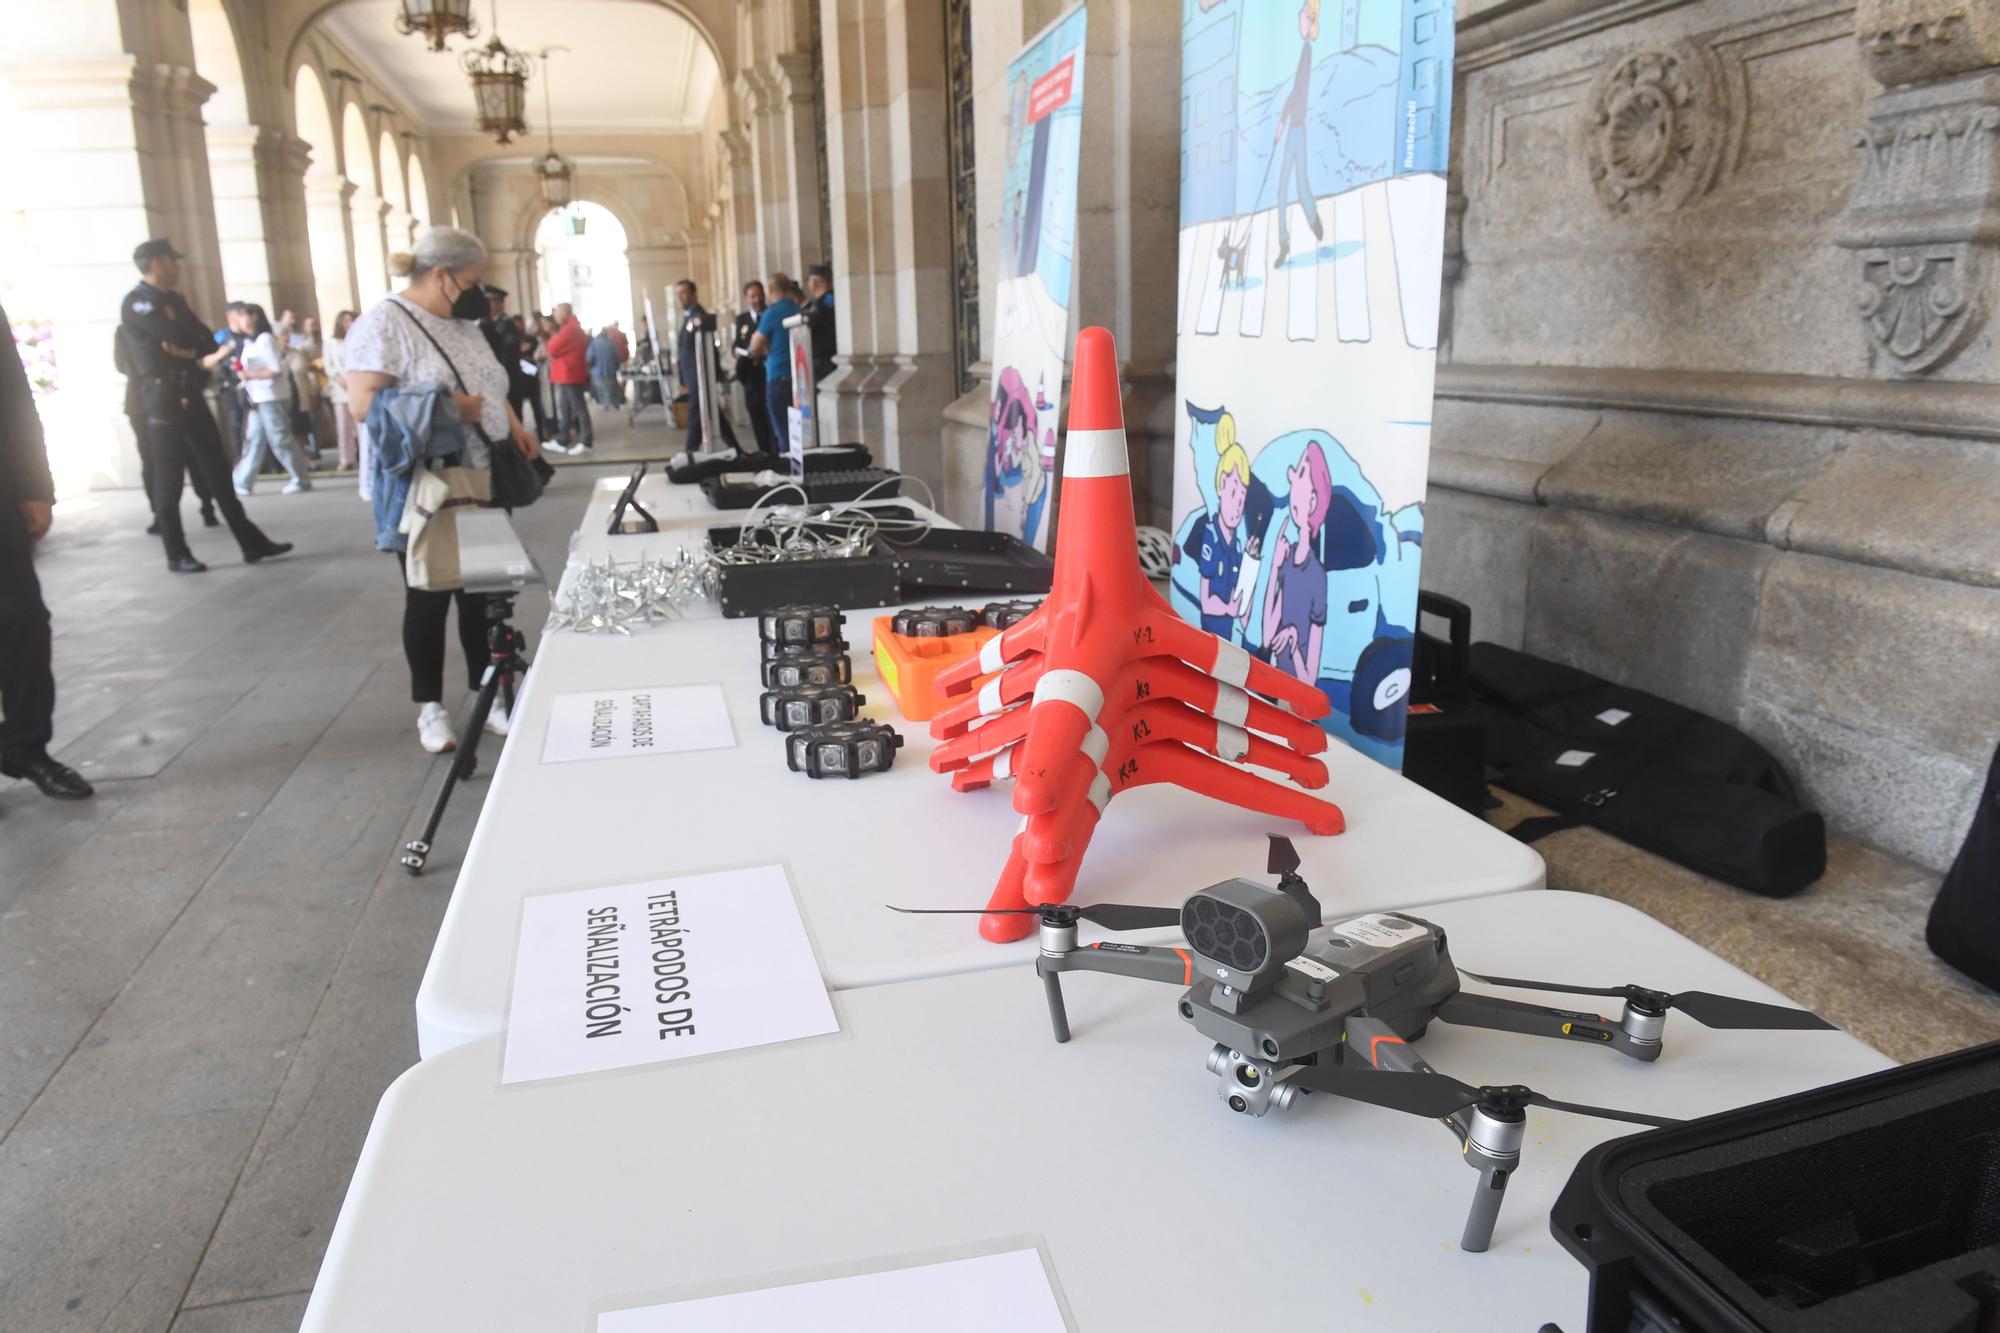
614,724
634,974
991,1293
1313,150
1037,243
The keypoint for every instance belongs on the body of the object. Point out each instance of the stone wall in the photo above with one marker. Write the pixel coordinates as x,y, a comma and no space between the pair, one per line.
1718,413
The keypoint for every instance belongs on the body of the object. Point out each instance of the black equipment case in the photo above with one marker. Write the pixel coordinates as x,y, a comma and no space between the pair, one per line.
1964,927
1862,1207
1644,769
1444,737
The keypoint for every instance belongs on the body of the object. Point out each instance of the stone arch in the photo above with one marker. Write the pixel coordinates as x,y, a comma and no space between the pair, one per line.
371,248
420,190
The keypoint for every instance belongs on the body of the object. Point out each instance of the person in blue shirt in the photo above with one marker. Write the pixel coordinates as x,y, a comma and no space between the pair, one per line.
602,359
773,342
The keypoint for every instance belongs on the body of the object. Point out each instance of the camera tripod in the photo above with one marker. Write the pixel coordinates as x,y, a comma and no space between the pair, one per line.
504,665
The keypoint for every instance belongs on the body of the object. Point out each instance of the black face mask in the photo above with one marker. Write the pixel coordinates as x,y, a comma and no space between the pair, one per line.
472,303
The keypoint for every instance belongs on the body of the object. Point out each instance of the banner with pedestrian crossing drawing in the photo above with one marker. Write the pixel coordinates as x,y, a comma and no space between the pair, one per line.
1313,155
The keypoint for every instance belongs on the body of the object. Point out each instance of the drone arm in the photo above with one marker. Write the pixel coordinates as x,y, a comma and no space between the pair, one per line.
1174,966
1491,1147
1466,1009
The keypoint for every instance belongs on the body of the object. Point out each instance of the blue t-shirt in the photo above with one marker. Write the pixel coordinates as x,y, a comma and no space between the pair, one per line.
602,357
1221,563
778,361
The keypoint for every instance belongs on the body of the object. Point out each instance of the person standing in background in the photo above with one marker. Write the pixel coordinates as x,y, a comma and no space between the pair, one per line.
269,381
162,336
135,413
624,346
601,357
569,372
335,361
302,356
819,319
27,506
698,324
773,342
750,369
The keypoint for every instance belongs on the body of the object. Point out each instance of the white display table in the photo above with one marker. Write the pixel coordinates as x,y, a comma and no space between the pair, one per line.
942,1115
902,837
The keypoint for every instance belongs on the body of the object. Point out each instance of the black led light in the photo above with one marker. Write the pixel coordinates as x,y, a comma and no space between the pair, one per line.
795,707
773,651
1000,615
934,622
800,624
842,749
813,667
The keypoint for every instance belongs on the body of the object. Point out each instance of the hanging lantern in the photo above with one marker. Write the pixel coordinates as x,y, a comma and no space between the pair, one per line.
555,171
499,88
437,20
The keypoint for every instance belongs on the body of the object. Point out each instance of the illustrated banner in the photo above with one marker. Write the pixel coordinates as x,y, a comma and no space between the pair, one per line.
1313,143
1037,239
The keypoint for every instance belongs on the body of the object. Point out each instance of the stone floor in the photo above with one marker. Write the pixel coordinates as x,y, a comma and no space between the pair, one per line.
207,973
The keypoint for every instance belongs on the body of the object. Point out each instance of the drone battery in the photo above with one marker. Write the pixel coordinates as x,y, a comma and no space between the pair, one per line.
795,707
1867,1204
910,665
1003,615
842,749
800,624
933,622
807,668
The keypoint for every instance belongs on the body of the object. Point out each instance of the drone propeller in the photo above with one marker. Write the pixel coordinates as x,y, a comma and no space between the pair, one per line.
1708,1009
1435,1096
1111,916
1283,858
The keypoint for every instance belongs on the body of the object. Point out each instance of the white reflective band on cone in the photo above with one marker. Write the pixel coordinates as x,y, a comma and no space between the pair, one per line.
1072,687
1232,664
1095,453
1100,792
1096,745
990,654
1231,705
1231,742
989,696
1003,764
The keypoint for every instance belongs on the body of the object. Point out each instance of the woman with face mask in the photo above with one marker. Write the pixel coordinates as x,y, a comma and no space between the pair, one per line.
427,335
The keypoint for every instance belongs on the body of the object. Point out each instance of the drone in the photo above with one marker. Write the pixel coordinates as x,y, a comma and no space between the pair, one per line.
1295,1007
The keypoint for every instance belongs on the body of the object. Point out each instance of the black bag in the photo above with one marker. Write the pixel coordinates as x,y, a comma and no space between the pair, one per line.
517,483
1646,770
1964,928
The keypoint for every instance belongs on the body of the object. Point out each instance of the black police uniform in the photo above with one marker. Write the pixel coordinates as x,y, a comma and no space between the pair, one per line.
179,426
27,684
825,333
697,322
135,412
750,374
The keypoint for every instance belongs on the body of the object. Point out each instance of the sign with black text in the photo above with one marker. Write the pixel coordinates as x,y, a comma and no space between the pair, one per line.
613,724
634,974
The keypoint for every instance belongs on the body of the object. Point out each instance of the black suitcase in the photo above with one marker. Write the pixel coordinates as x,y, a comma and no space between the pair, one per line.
1964,927
1444,739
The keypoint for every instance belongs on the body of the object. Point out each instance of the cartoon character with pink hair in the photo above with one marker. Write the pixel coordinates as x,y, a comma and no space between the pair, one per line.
1295,599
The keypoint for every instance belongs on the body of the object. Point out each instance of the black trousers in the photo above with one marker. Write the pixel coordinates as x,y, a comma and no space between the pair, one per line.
196,478
530,394
722,425
423,636
752,381
27,683
185,442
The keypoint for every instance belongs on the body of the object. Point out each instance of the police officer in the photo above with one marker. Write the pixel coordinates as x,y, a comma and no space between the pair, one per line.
696,323
135,412
818,311
27,498
164,344
750,369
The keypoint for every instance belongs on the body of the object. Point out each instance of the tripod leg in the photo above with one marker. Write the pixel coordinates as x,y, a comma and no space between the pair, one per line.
418,850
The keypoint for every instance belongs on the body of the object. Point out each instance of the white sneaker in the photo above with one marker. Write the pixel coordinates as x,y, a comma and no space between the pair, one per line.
293,488
497,722
434,729
579,450
554,447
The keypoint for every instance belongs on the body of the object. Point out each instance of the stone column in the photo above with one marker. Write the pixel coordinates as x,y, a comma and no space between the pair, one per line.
776,241
282,161
327,234
797,116
1924,218
257,174
367,212
742,205
513,270
113,153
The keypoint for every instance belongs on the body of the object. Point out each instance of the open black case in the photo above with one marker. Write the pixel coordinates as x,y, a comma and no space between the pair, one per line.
1868,1205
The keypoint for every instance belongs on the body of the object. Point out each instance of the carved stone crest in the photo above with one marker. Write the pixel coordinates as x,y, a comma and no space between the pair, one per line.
1659,121
1920,302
